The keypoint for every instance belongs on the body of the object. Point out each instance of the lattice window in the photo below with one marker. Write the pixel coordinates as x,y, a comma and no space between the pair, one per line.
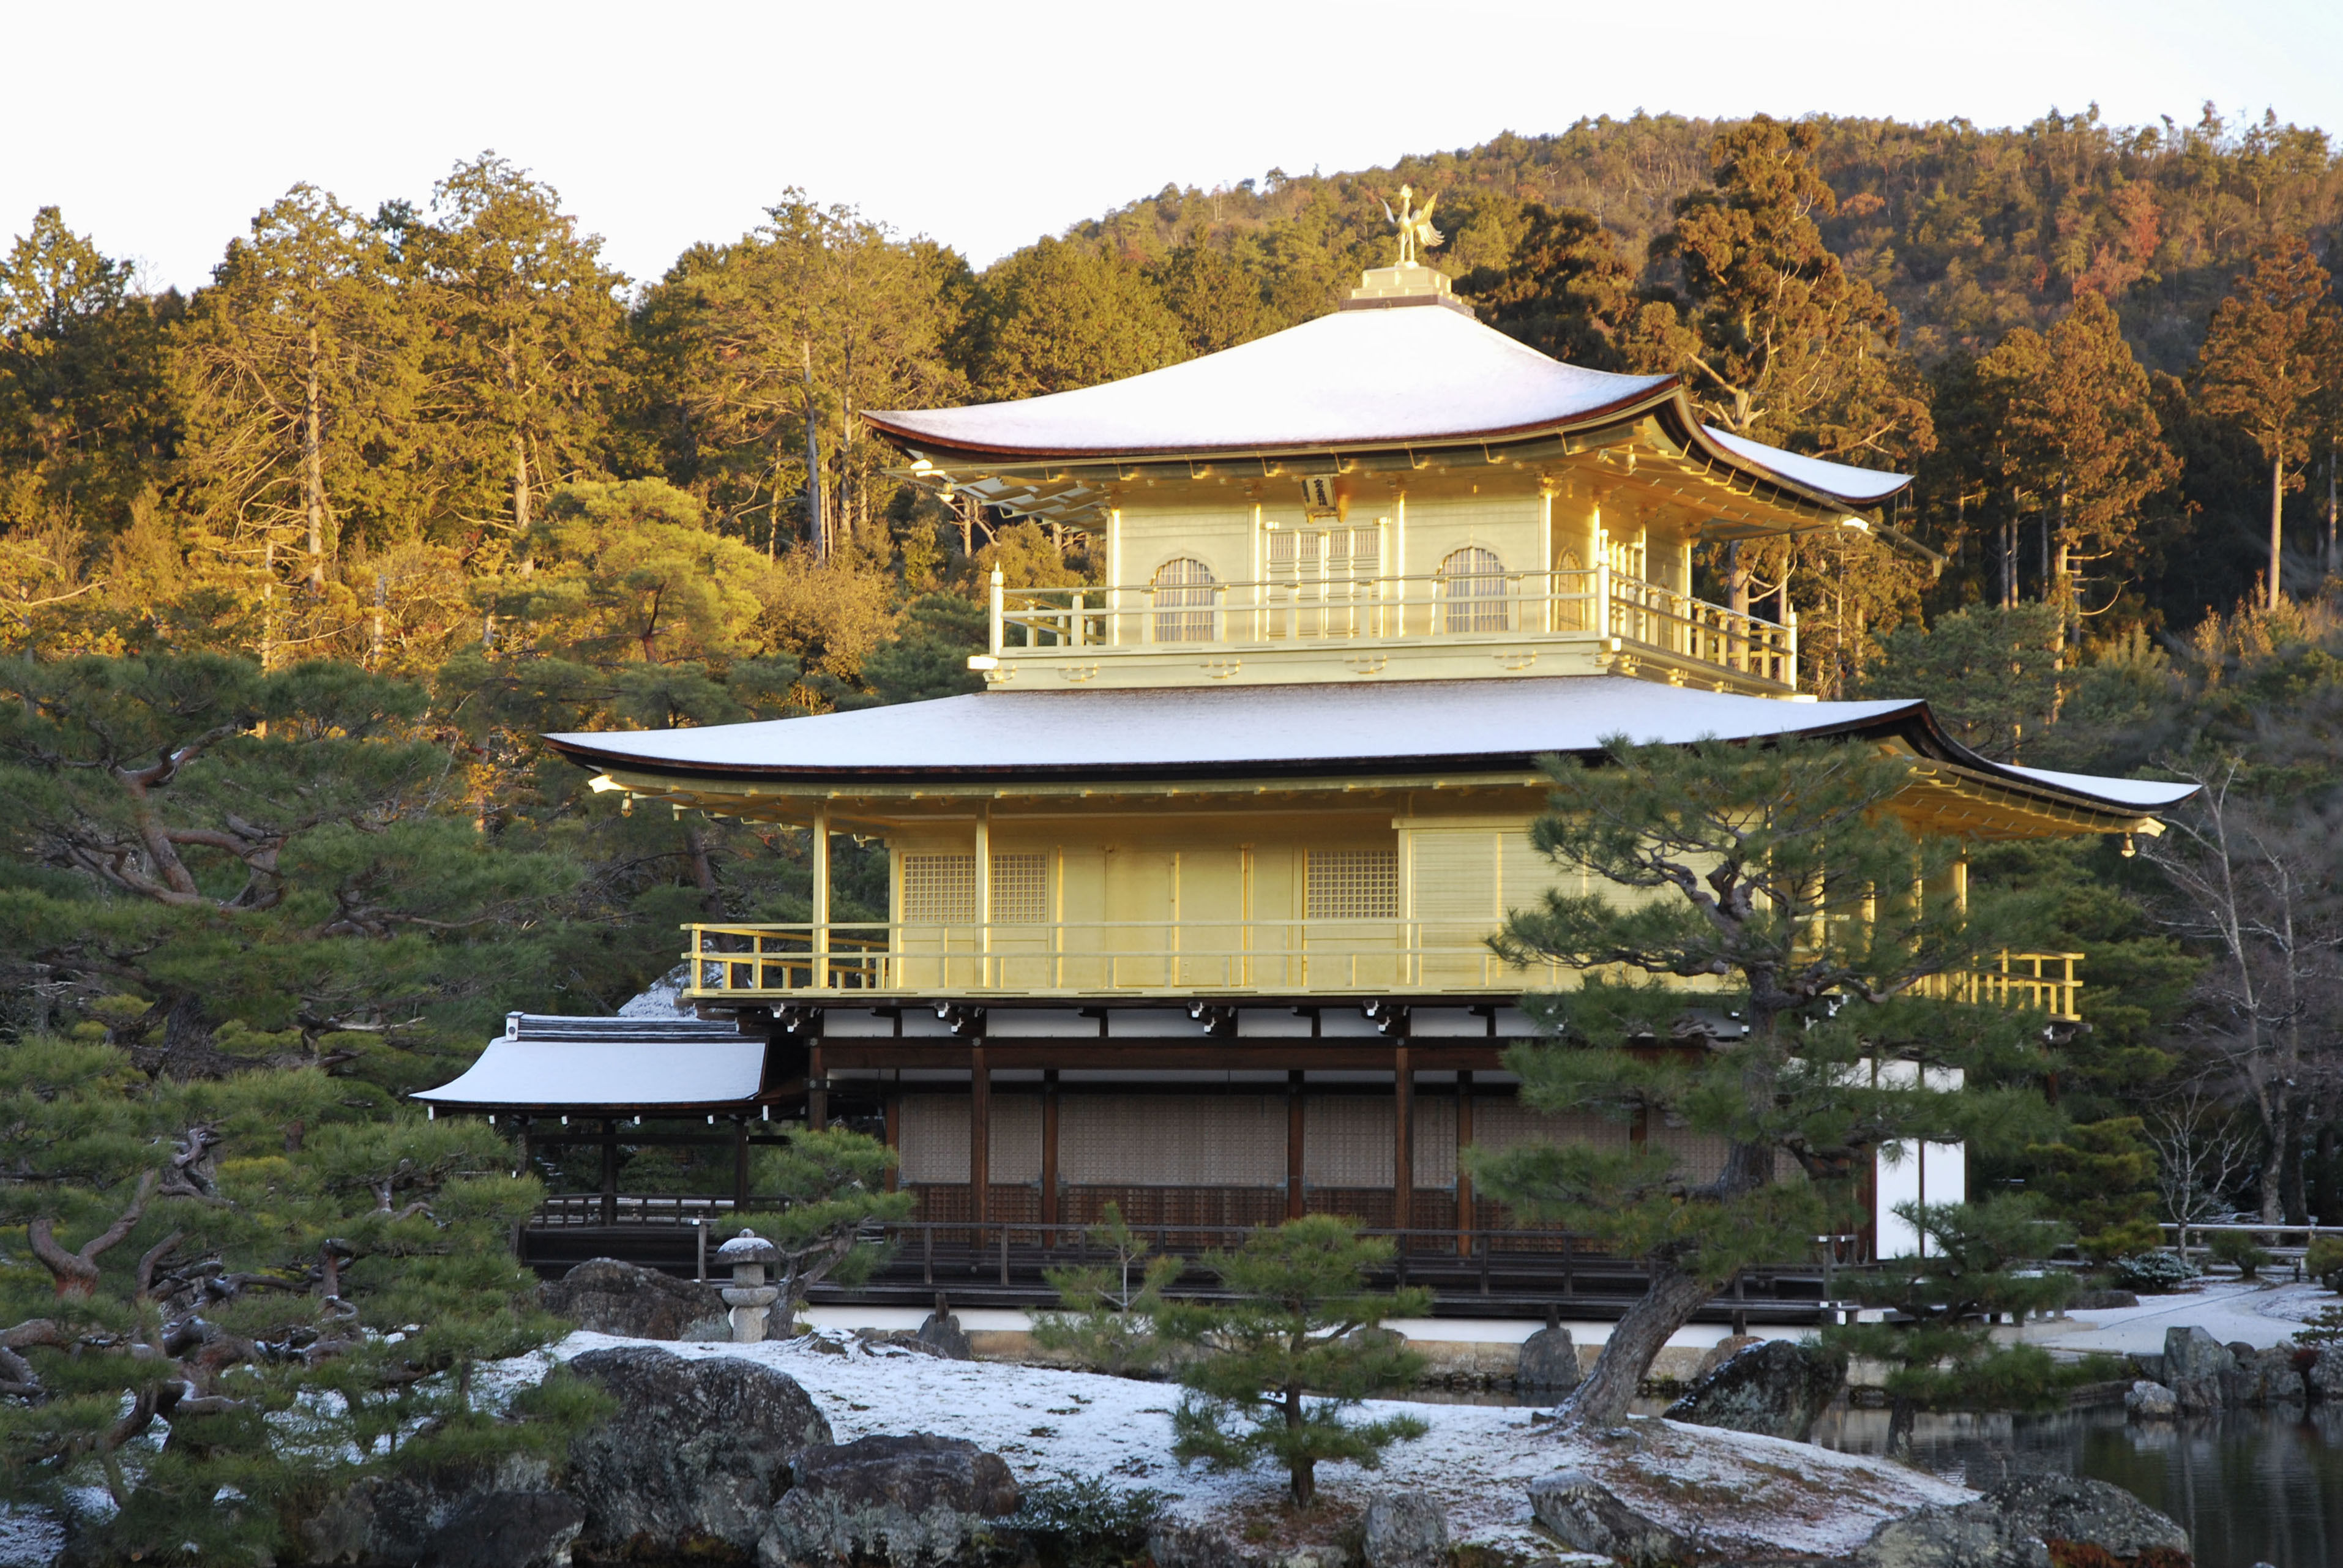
1472,584
1184,601
940,890
1021,889
1353,885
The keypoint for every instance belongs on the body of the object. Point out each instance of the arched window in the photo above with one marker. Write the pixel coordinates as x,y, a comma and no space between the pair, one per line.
1184,601
1472,584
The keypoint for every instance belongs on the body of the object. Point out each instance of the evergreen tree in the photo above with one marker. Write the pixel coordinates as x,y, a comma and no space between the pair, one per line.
243,1294
1989,676
1565,291
1979,1262
1219,304
297,373
2271,365
525,328
2100,1177
1056,318
1295,1346
1107,1316
831,1184
1784,878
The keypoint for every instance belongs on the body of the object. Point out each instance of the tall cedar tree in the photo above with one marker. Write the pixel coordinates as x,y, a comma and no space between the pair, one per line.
772,346
526,330
1295,1346
2082,446
1777,341
1057,317
296,372
1783,878
1567,291
244,1294
2271,365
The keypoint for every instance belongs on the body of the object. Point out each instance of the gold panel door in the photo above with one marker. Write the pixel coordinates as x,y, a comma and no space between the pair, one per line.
1142,892
1455,876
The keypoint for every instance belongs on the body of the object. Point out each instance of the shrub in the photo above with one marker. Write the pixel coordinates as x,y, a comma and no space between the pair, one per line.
2153,1274
2239,1250
1086,1522
2324,1261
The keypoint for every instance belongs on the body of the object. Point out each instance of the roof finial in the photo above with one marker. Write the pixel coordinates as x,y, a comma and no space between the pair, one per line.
1415,228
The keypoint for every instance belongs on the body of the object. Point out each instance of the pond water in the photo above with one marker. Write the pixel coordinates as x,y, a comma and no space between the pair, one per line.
2249,1486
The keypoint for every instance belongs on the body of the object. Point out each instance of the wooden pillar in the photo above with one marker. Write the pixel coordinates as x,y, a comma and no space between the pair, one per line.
1464,1176
1403,1143
820,858
740,1163
609,1171
1295,1103
1048,1150
979,1134
895,1140
817,1087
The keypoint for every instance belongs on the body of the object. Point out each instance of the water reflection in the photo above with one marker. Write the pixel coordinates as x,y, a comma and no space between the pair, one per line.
2250,1486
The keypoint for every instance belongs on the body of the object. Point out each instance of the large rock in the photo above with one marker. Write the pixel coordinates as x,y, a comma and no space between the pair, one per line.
2146,1401
507,1530
1588,1517
1777,1388
1404,1530
609,1297
940,1333
1549,1362
2265,1378
391,1520
2195,1368
694,1456
2325,1375
913,1502
2029,1522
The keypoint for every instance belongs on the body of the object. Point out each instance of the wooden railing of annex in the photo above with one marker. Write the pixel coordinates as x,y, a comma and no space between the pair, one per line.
1278,957
1373,611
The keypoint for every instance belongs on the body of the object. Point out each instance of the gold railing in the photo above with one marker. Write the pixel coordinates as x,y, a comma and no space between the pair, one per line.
1104,957
1291,958
1380,610
2044,982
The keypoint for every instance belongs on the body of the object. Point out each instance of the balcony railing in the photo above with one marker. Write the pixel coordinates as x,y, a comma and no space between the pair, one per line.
1376,612
2044,982
1278,957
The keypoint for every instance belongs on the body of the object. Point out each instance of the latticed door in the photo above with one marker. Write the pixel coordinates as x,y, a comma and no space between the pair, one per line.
1472,592
1321,581
1183,594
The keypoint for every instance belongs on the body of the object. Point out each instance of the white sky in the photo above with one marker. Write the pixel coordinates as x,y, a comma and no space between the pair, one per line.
162,127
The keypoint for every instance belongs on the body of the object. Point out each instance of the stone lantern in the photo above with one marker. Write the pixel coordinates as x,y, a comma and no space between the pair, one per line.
748,1295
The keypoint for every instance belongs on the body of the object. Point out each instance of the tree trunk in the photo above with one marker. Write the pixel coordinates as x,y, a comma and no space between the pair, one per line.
1668,1304
703,874
2277,532
817,518
520,486
1737,581
1303,1474
313,469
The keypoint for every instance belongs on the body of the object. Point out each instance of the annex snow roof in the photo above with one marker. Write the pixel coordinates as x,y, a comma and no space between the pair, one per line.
544,1063
1196,731
1383,378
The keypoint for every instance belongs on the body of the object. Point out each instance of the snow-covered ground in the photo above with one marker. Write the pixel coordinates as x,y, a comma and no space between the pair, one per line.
1745,1494
2260,1313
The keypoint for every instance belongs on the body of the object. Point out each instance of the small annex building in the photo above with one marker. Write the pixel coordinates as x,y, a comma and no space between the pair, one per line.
1187,909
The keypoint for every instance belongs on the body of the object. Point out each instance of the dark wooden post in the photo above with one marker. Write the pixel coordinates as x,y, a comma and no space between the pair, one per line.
609,1171
1464,1176
979,1134
740,1163
817,1087
1294,1103
1049,1151
1403,1143
895,1140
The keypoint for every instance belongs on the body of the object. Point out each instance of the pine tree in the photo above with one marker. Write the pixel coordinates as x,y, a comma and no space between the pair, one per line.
1784,878
1057,317
831,1183
2271,365
1990,676
1567,291
1295,1346
1980,1261
2100,1176
1107,1319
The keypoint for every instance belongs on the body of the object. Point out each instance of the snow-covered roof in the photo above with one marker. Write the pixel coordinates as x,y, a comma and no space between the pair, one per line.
1282,729
587,1064
1352,378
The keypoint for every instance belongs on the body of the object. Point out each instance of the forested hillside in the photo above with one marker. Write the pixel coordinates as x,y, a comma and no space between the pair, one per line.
294,566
